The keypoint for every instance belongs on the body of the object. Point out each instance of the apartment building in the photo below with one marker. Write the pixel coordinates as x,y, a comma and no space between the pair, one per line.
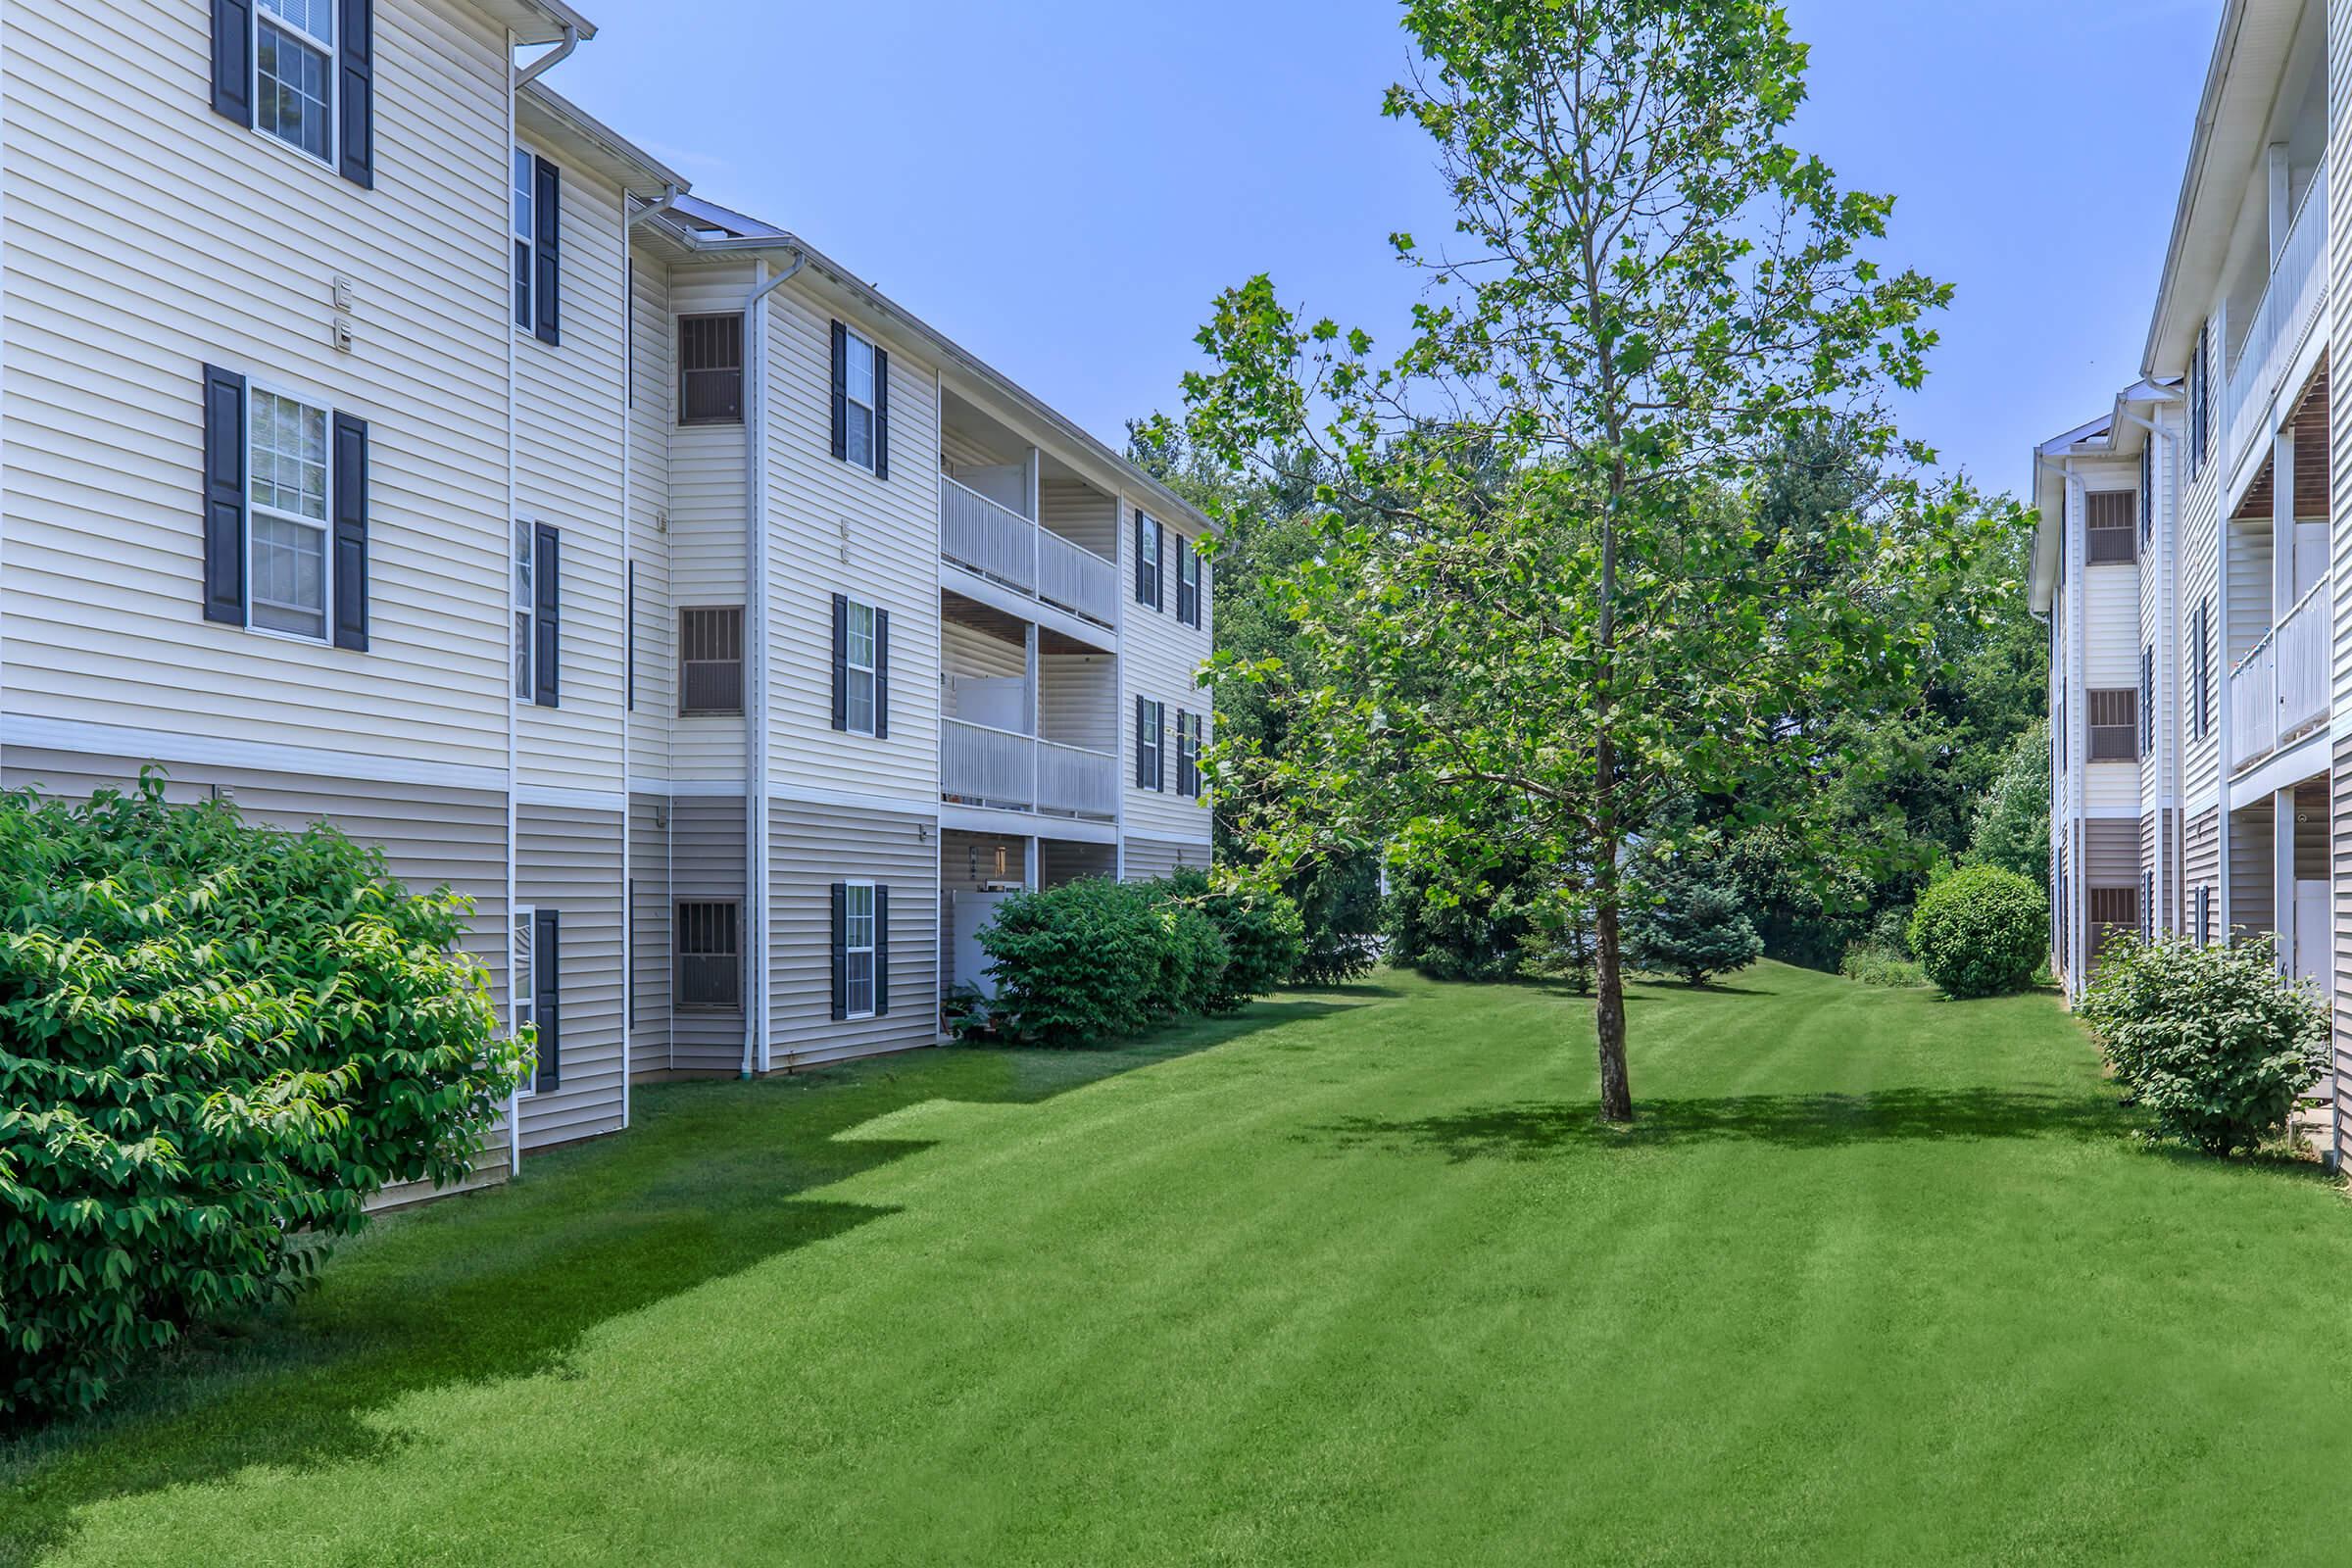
383,441
2192,538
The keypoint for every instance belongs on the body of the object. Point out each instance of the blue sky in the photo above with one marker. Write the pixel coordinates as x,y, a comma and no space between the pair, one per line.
1062,185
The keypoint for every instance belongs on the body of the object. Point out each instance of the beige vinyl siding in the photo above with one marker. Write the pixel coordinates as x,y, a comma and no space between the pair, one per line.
568,441
650,918
964,651
649,430
568,860
706,524
2252,874
1148,858
1079,704
706,854
2201,867
1081,513
833,527
2249,587
811,848
1163,659
109,317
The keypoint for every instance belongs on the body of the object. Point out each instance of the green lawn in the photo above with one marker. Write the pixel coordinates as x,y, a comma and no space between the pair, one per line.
1352,1280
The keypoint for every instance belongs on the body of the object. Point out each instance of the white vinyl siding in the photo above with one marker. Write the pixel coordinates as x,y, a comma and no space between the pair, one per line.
1162,661
653,623
196,216
705,541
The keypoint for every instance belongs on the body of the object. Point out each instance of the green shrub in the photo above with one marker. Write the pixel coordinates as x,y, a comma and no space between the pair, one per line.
1339,910
1465,925
1078,963
1264,938
1192,957
1561,943
214,1038
1981,932
2207,1040
1872,964
1689,924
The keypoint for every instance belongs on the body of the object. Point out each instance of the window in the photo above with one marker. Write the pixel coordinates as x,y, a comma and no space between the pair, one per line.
2200,403
1189,580
527,235
857,947
861,668
1148,549
523,981
2108,528
2113,912
525,600
711,369
1151,763
710,662
709,955
2113,726
294,71
289,498
1188,754
858,389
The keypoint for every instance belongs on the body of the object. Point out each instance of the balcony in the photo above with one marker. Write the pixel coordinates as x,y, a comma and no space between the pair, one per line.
1003,768
2289,312
2280,691
989,538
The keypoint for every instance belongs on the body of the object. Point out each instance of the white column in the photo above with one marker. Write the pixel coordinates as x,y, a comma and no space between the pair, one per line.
1029,864
2283,875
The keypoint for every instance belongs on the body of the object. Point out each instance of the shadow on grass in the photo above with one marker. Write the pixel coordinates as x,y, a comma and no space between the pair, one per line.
1541,1130
713,1180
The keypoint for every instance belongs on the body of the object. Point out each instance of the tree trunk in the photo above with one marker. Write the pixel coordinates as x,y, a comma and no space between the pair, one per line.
1616,1088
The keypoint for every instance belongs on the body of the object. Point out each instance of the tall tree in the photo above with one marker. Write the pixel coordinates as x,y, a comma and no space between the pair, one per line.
1546,594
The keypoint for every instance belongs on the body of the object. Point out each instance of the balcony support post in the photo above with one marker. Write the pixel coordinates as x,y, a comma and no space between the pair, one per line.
2282,877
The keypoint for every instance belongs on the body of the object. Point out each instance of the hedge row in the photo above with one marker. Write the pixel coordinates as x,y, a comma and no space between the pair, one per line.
1095,959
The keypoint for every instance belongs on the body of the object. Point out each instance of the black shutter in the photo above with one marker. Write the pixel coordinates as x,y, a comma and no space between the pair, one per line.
840,951
547,986
881,950
351,534
841,392
629,639
546,619
881,674
1160,569
232,60
547,215
224,496
1142,780
1141,577
1200,592
841,661
357,92
881,413
1184,767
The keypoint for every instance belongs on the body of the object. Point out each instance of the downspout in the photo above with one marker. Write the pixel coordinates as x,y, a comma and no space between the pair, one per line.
667,200
755,638
547,62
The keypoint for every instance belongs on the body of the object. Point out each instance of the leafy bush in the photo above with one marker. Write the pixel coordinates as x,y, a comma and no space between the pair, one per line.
1264,938
1690,923
213,1038
1872,964
1981,932
1095,959
2207,1039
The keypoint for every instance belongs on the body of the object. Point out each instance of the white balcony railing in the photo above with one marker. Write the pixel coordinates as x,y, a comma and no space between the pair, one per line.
2280,689
2283,322
994,540
1012,771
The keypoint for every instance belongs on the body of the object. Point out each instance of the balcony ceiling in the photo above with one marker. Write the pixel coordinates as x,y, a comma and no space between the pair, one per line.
2312,499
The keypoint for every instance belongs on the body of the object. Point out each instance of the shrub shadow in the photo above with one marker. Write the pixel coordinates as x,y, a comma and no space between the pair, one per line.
1543,1130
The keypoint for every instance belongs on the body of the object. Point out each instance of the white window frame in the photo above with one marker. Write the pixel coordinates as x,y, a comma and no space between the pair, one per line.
265,16
522,593
850,949
522,990
255,389
1189,736
851,341
1153,547
870,669
1157,729
524,231
1188,576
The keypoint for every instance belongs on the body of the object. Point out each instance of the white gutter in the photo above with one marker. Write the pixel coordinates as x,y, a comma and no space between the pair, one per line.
546,63
755,1051
668,199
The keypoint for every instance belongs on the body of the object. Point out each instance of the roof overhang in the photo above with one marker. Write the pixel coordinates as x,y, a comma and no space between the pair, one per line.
2250,57
588,144
700,230
537,22
2113,436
